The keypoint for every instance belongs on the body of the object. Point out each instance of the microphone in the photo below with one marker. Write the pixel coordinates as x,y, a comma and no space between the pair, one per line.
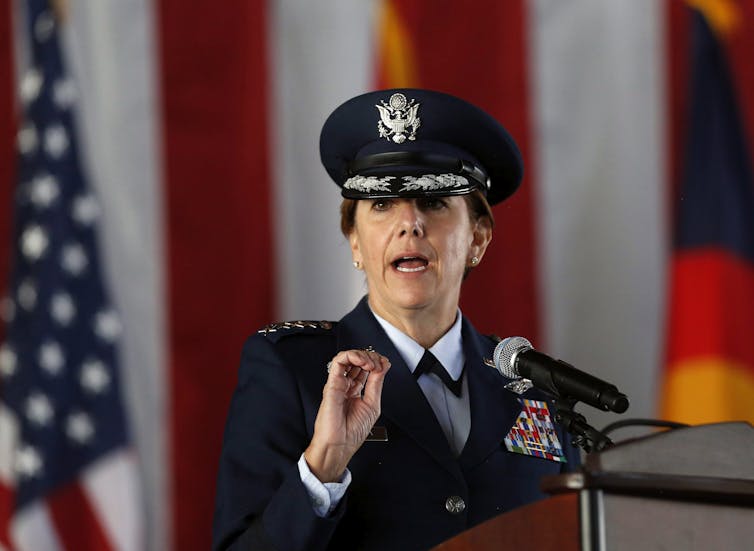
515,358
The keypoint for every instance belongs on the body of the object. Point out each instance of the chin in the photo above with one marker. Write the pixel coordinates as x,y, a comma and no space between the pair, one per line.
413,300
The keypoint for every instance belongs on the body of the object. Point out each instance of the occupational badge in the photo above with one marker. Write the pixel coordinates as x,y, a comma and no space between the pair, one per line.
534,433
399,119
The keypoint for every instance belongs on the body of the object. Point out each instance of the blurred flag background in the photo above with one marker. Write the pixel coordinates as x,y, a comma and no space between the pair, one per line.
627,252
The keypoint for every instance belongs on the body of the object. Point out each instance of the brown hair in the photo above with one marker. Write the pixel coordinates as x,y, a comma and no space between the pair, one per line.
475,201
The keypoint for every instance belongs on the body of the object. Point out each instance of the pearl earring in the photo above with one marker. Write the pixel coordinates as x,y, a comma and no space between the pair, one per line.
357,264
474,260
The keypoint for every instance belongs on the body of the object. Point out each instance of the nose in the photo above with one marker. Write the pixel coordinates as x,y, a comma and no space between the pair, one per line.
410,219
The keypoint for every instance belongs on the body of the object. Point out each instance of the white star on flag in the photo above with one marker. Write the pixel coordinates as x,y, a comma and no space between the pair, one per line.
79,427
73,258
27,139
107,325
39,409
34,242
27,294
86,209
62,308
56,141
31,84
7,361
51,357
64,93
94,377
28,462
44,26
44,190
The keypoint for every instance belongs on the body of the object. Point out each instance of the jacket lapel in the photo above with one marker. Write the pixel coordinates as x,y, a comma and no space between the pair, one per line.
403,402
494,408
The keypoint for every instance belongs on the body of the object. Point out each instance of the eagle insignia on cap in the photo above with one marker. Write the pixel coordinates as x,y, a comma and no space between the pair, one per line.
398,118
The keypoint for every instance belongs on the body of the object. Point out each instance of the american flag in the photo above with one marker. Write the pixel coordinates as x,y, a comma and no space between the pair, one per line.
67,477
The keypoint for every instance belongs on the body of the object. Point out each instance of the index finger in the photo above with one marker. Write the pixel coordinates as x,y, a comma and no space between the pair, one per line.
360,358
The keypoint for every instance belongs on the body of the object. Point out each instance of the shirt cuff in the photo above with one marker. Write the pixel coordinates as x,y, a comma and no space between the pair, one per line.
324,497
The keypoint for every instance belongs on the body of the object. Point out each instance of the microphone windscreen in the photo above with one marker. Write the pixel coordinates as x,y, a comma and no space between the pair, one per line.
505,353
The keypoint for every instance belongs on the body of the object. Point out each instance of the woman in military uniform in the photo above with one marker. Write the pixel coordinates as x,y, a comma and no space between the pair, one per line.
389,429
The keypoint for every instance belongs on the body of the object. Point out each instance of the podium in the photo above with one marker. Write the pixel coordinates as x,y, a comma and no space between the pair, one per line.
690,489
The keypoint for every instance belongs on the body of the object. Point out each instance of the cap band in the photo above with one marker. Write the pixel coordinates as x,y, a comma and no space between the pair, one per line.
432,161
426,185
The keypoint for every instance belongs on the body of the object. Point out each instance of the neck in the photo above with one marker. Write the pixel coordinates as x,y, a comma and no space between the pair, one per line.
422,325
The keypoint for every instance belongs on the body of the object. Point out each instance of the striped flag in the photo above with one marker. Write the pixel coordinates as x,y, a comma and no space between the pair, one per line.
67,476
710,372
199,124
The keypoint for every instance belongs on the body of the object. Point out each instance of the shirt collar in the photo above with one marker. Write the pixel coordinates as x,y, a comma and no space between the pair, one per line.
448,350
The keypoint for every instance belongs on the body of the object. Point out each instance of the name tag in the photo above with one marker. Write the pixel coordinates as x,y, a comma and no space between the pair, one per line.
377,434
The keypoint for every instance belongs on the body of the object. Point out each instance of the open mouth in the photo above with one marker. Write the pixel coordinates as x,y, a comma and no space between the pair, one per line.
410,264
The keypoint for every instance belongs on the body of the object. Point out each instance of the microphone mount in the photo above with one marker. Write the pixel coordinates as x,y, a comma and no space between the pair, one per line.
585,436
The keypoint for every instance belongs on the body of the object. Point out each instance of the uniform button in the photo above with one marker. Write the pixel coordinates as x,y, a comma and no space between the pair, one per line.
455,505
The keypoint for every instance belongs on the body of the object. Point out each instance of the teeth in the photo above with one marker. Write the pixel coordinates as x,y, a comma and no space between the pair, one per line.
418,269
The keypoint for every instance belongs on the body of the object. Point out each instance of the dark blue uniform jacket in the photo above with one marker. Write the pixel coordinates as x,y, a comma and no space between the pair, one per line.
397,499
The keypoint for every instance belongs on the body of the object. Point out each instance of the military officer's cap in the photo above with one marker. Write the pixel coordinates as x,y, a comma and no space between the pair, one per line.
418,143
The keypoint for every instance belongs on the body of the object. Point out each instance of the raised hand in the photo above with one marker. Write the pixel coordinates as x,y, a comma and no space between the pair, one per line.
350,407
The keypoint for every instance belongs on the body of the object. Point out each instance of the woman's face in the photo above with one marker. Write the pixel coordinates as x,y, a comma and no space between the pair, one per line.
415,251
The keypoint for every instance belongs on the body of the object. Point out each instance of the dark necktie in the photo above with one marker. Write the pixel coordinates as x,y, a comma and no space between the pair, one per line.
430,364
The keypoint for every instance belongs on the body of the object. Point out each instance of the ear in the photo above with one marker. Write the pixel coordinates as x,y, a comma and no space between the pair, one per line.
482,235
353,241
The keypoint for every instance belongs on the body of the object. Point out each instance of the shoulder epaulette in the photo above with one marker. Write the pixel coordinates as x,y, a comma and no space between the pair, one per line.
288,327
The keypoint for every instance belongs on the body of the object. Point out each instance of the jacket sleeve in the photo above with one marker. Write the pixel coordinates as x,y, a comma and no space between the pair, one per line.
261,502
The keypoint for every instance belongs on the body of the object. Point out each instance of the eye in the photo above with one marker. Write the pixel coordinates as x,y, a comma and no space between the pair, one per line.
432,203
381,205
